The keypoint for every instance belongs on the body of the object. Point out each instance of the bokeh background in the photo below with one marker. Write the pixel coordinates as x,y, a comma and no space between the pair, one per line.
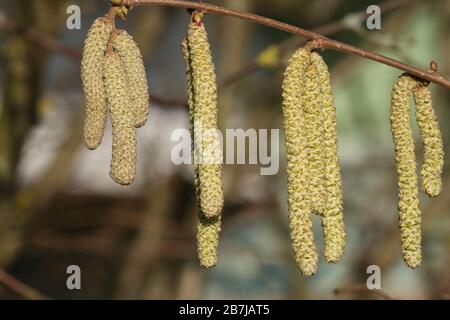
58,206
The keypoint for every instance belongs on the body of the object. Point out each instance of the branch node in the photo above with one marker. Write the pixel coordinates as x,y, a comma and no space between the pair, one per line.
316,44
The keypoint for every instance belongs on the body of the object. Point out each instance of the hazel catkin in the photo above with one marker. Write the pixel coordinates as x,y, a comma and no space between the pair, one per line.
299,201
207,144
92,77
208,229
314,129
133,63
408,193
333,214
123,162
433,159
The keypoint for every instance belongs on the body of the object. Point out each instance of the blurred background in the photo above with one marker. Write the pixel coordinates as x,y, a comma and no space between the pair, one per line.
58,206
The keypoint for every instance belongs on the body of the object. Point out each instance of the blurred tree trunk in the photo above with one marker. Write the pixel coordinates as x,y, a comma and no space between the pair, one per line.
22,79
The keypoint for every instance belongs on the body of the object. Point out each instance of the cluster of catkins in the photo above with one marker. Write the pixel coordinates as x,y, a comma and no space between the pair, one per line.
114,79
314,178
408,190
114,82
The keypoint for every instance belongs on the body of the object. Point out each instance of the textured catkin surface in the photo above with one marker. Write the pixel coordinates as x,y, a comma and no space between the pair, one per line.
123,162
207,144
92,77
333,215
136,75
432,139
314,129
208,229
408,191
302,236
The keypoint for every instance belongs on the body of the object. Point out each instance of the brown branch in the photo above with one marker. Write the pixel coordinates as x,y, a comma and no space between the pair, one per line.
19,287
327,29
360,288
325,43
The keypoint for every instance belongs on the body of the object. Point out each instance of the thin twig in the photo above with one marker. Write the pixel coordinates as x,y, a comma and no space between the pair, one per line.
19,287
327,29
360,288
322,41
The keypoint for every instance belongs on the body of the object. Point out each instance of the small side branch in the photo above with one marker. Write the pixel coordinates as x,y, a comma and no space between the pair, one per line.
19,287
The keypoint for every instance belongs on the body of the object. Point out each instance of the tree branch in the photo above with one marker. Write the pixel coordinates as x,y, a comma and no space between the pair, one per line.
19,287
321,41
328,29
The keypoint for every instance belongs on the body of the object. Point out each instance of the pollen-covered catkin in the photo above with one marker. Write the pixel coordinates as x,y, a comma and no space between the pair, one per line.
92,78
208,230
408,191
333,215
136,75
205,119
314,129
123,162
433,159
302,236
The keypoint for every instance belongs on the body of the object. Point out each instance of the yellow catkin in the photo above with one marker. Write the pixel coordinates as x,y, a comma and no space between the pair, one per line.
314,129
432,139
123,162
205,118
302,236
208,229
408,191
136,75
92,78
333,215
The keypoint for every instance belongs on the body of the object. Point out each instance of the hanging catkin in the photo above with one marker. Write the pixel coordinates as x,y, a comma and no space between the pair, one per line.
123,163
208,229
432,139
314,128
205,119
133,63
302,236
333,215
92,78
409,207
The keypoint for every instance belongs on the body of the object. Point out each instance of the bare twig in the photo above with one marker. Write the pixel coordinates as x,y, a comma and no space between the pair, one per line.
360,288
322,41
327,29
19,287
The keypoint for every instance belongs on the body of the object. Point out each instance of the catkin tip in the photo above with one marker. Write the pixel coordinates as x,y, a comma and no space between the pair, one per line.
208,231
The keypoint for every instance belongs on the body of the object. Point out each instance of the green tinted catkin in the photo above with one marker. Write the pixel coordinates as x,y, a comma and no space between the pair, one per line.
314,129
432,139
408,191
333,215
205,118
92,78
136,75
302,236
208,229
123,163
